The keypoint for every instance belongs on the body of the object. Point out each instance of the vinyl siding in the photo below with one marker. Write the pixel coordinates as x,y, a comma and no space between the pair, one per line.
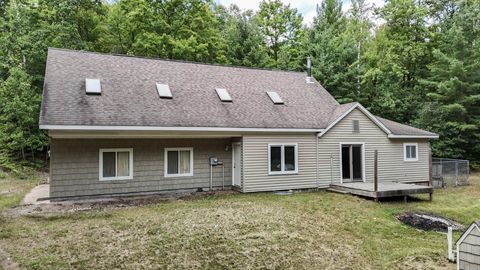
469,251
391,166
255,163
75,166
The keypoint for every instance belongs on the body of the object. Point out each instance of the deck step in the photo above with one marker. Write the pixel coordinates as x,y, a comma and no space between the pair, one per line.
337,190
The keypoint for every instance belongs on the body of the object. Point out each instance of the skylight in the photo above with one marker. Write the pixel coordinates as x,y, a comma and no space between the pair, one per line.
223,95
164,91
92,86
275,97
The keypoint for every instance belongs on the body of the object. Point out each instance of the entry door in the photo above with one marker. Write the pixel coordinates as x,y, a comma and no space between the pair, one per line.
352,162
237,164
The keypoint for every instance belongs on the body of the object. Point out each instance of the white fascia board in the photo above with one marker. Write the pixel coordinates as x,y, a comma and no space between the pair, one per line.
466,233
393,136
148,128
362,109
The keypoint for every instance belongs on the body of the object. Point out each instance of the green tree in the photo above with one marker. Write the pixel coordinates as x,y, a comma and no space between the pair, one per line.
283,33
453,85
244,41
173,29
333,51
397,60
19,112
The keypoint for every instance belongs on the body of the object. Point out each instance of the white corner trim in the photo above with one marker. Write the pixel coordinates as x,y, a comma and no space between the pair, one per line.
362,109
405,152
165,168
152,128
393,136
466,233
116,150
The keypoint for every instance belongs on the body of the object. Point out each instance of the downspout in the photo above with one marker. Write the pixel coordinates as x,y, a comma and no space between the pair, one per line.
316,151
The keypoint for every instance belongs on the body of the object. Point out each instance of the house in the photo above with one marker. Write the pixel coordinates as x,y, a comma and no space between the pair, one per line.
468,248
128,125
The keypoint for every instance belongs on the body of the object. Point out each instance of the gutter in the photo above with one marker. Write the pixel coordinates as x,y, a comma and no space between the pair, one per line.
393,136
153,128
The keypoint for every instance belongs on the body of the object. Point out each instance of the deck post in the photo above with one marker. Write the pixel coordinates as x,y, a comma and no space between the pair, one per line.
430,181
375,171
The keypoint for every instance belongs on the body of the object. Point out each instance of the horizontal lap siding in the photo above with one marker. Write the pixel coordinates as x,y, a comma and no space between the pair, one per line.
75,166
391,166
469,251
255,163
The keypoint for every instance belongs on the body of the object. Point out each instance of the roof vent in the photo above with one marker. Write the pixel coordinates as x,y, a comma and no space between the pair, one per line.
275,97
92,86
223,95
164,91
309,70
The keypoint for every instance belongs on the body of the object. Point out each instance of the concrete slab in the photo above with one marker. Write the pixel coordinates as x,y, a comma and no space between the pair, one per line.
38,195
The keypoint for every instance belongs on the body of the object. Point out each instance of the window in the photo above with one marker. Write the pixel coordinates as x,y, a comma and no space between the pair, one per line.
275,97
116,164
164,91
223,95
282,158
356,126
410,151
178,162
93,86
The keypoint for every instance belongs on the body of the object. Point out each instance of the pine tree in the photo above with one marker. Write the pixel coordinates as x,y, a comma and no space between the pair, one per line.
453,110
333,51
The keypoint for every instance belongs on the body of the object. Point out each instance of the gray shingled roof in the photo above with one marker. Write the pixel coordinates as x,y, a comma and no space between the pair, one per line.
401,129
129,96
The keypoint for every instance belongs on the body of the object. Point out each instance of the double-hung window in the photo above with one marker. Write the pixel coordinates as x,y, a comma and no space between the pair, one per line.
410,152
282,158
116,164
178,162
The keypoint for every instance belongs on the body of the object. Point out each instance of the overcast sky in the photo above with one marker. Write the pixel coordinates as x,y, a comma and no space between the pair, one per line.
306,7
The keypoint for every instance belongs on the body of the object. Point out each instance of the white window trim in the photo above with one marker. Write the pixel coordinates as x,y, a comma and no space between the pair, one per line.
116,150
405,152
282,161
165,165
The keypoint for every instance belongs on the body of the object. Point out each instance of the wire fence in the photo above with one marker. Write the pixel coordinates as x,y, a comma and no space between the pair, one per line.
448,172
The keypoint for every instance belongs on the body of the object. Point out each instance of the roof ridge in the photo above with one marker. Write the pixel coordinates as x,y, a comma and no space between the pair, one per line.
176,61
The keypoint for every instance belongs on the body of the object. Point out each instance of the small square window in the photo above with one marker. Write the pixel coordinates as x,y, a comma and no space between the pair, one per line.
116,164
178,162
410,151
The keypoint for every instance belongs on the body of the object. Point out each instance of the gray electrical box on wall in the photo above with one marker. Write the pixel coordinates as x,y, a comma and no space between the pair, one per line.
213,161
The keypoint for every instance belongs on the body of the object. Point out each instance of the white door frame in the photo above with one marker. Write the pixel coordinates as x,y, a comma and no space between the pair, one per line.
233,163
362,144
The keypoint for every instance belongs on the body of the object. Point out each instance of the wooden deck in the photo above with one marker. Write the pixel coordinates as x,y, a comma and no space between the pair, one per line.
389,189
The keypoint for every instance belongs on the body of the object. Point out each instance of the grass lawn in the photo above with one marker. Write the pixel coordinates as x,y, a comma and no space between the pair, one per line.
317,230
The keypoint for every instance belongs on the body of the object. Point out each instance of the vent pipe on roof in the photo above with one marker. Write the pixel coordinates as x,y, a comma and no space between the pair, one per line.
309,70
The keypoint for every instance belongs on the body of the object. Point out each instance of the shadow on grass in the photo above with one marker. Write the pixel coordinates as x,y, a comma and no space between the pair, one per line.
83,215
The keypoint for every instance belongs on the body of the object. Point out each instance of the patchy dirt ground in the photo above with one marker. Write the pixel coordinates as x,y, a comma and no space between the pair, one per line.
429,222
61,207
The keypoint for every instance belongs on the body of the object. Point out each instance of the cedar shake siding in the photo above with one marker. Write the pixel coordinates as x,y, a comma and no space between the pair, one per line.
469,251
74,166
